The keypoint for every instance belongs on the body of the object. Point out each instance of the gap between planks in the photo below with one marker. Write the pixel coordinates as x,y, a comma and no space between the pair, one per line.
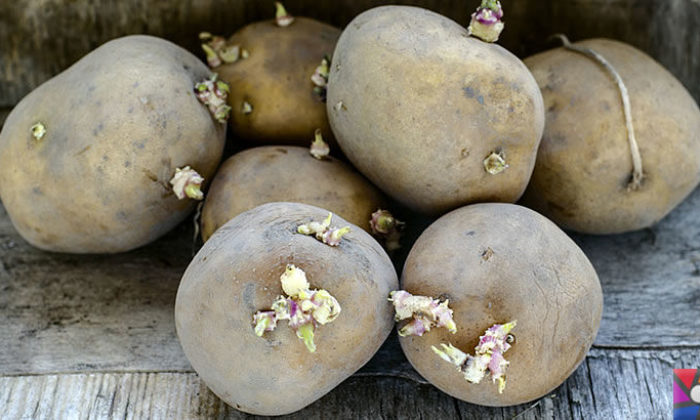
610,384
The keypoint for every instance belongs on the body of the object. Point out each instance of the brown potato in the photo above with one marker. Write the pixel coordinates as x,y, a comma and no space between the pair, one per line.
237,272
498,263
86,158
287,173
584,163
418,107
275,80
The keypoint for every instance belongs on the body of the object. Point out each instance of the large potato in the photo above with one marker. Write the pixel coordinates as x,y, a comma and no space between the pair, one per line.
287,173
498,263
418,107
275,81
237,272
584,163
117,124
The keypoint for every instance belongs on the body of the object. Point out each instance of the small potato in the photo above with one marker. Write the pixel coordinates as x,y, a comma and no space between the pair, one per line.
434,118
237,273
287,173
496,264
86,159
582,175
272,95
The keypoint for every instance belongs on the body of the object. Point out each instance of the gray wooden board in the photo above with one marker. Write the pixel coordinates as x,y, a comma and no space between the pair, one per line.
38,39
651,281
80,322
68,313
610,384
65,316
93,336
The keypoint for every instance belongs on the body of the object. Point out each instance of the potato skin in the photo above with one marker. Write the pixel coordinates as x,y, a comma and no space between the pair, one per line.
534,274
584,162
119,122
417,106
276,80
237,272
287,173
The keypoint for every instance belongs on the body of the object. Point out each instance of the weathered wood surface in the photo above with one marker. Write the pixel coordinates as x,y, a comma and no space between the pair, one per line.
38,39
617,384
93,336
110,317
67,313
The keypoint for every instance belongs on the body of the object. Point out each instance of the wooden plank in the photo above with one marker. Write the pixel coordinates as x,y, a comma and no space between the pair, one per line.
651,281
40,39
93,336
72,313
610,384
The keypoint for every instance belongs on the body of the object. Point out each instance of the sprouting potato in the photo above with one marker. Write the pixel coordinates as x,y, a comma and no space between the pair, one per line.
234,313
270,66
524,304
288,173
593,173
89,159
434,118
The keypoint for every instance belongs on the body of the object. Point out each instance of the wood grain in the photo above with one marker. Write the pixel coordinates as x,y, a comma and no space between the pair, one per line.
651,281
71,313
96,333
41,38
610,384
93,336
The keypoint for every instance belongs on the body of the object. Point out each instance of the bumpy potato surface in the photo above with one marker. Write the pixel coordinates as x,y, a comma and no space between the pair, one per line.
237,273
418,106
287,173
275,80
584,163
497,263
117,125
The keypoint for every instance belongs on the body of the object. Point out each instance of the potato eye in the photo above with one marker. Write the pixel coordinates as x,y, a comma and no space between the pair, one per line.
510,339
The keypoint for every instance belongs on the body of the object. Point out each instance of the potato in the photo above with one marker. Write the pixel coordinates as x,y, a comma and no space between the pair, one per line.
584,164
237,272
86,158
423,110
287,173
272,95
498,263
